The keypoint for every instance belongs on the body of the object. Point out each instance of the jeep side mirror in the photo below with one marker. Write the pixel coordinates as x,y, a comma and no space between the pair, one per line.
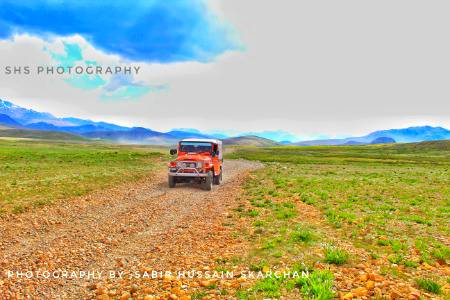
173,151
217,152
213,154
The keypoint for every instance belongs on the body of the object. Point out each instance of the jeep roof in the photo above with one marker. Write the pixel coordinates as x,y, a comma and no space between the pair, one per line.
214,141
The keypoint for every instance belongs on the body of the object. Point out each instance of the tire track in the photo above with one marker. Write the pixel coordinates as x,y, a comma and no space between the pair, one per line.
104,230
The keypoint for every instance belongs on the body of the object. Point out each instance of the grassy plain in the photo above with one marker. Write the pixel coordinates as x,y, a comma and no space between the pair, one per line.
385,208
363,221
34,173
38,134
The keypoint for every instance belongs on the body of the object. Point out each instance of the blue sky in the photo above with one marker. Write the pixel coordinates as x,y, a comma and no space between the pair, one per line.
151,31
139,30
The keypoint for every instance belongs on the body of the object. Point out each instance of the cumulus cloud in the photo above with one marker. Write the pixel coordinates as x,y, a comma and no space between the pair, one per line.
117,81
118,86
141,30
125,87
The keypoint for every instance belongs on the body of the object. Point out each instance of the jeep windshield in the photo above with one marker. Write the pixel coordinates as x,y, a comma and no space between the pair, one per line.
195,147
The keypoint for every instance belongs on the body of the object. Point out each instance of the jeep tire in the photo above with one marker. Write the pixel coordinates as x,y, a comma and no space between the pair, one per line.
218,178
207,185
172,181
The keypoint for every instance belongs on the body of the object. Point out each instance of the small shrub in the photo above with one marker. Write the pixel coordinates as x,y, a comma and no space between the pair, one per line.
40,202
302,235
333,218
288,204
350,218
269,287
419,220
239,209
199,295
258,204
284,214
18,209
258,266
308,199
324,196
335,256
443,253
277,254
318,285
274,193
221,269
395,258
397,245
211,287
411,264
221,260
252,213
258,223
429,285
268,202
270,245
383,242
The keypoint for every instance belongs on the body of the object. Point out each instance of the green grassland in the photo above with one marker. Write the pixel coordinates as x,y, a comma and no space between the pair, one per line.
38,134
38,172
391,201
309,207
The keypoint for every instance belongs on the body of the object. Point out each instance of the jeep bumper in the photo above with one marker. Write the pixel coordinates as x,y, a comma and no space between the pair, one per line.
186,172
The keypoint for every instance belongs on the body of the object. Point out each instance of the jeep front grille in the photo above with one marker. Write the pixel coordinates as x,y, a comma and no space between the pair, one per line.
187,164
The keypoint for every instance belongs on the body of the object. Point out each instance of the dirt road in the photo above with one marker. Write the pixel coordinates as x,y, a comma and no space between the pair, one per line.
137,224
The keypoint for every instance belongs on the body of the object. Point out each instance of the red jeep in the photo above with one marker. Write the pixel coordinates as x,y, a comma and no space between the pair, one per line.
198,160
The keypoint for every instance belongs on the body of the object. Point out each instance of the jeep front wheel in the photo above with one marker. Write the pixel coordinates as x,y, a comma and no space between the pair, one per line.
172,181
207,185
218,178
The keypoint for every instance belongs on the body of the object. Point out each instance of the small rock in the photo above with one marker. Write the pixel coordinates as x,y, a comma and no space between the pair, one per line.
125,296
378,293
363,277
205,283
376,278
395,294
134,288
370,284
359,292
347,296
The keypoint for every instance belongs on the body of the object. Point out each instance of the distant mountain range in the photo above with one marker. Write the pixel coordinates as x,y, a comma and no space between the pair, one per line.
22,119
404,135
8,121
250,140
18,117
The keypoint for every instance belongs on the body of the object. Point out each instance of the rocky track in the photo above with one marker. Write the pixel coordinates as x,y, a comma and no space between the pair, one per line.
110,229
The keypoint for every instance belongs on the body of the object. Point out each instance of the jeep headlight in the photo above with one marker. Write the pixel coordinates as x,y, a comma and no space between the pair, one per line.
200,164
180,164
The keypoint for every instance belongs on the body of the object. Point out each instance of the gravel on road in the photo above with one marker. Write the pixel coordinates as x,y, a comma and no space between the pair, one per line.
136,225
